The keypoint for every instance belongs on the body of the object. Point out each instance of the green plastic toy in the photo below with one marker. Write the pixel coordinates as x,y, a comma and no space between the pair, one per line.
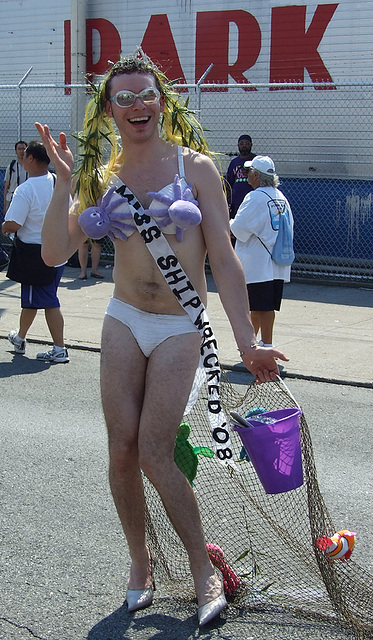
186,456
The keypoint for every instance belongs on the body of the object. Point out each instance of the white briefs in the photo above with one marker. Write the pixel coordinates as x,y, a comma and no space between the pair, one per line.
149,329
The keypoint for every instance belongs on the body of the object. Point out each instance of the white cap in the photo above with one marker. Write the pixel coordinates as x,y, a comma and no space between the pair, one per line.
264,164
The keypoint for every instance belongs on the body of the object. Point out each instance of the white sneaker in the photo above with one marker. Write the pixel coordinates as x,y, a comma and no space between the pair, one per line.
18,343
54,356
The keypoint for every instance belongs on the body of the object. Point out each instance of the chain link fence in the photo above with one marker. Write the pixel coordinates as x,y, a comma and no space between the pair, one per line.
319,136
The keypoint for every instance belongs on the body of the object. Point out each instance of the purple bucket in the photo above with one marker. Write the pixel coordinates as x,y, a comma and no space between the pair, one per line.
274,449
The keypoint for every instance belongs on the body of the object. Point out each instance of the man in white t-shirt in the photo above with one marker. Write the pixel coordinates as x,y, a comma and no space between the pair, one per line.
15,174
256,227
25,217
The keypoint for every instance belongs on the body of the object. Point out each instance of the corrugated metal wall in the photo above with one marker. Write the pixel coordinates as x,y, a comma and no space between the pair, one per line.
253,40
32,33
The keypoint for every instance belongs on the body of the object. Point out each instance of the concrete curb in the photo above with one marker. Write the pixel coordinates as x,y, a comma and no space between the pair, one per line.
227,367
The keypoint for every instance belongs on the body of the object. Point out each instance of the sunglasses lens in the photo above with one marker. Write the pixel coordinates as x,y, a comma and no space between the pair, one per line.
124,98
128,98
149,96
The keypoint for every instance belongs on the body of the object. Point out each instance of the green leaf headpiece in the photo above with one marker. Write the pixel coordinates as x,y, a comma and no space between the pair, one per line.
98,149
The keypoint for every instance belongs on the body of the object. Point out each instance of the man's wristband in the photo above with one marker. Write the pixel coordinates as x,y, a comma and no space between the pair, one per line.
252,346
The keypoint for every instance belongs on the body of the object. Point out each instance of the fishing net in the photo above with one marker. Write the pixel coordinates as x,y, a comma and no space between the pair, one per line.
268,540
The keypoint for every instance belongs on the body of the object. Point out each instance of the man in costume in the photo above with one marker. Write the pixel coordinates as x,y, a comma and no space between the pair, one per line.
150,346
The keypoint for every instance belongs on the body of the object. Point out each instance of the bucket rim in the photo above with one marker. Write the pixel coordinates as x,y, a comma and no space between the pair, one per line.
295,411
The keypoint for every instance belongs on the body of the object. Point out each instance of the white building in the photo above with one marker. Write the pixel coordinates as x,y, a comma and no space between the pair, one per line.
318,132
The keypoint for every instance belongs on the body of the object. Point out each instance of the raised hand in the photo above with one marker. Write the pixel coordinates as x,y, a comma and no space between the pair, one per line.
60,155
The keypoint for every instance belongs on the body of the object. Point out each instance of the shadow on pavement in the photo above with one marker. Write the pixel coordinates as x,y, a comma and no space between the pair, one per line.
251,624
157,626
329,294
322,293
22,365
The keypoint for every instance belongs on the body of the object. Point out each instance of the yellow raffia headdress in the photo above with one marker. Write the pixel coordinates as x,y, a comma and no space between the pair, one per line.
95,139
98,140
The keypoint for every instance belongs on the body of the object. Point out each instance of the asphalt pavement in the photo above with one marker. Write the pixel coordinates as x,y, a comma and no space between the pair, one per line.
64,561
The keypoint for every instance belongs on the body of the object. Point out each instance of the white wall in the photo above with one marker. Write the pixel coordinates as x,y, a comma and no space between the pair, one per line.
32,34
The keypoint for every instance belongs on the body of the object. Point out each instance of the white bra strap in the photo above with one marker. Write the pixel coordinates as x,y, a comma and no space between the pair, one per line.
180,160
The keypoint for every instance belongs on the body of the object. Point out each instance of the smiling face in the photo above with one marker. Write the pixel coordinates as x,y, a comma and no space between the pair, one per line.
139,122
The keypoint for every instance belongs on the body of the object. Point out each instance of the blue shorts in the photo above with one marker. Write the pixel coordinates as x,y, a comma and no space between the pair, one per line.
35,297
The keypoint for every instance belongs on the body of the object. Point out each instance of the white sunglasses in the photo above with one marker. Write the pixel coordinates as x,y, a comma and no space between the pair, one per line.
128,98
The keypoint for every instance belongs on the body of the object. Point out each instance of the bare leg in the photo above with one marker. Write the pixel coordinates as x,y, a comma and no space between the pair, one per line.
83,260
169,378
123,368
55,322
143,407
255,319
26,319
267,319
95,257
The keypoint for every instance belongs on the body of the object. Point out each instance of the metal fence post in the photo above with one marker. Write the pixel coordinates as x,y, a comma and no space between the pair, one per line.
198,88
19,127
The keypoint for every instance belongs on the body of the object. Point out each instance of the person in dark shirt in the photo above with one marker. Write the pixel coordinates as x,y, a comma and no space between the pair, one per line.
236,177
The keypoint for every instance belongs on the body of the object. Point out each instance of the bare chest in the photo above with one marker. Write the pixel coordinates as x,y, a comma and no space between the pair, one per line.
141,183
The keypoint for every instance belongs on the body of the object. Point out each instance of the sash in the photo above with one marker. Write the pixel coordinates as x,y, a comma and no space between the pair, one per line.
188,298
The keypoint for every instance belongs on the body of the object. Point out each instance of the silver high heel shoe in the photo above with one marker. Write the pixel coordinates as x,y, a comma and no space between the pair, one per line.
210,610
141,598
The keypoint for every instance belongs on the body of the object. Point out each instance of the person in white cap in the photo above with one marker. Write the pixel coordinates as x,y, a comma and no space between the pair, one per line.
256,227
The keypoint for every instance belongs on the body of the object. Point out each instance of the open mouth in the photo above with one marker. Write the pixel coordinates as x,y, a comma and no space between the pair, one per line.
139,120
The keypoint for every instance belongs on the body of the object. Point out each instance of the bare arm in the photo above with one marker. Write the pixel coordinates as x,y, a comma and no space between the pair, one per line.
61,234
9,226
6,189
227,270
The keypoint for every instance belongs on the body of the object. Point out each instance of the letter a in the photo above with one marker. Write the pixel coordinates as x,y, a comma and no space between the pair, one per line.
159,45
212,44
